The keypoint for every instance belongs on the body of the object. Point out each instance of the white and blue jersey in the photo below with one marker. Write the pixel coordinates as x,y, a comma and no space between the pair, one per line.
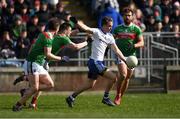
100,42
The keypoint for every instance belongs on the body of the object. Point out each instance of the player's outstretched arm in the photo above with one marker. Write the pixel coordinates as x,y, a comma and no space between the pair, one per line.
77,46
84,27
49,55
118,52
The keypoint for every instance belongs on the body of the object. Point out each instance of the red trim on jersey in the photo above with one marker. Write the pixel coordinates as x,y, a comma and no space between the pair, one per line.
126,35
46,35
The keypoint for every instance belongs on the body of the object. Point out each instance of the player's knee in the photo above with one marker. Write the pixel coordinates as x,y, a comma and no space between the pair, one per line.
127,80
34,89
51,85
123,76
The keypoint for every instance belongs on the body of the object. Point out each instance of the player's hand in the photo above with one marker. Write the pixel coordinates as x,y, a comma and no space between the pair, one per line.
65,58
46,65
74,20
89,40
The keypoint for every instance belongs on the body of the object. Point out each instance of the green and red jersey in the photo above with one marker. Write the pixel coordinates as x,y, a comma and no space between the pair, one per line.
37,51
126,36
59,42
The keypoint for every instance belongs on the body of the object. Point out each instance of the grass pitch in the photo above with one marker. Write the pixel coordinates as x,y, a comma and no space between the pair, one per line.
89,105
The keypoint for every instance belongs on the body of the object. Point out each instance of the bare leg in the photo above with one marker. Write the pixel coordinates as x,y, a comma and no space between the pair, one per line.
111,80
125,83
46,83
87,85
34,87
122,84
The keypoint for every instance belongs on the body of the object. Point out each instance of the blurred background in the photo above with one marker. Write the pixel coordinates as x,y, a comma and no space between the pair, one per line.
159,66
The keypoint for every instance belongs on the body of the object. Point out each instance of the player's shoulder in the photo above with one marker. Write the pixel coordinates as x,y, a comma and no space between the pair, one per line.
47,35
135,26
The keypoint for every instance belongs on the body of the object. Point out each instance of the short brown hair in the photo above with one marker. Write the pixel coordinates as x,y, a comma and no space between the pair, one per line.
64,27
105,20
127,10
53,24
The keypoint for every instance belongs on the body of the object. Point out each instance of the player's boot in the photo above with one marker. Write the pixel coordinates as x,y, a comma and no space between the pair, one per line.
117,100
19,79
33,106
108,102
17,108
70,101
22,91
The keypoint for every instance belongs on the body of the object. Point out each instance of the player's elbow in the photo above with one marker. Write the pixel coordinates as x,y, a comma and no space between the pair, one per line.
48,55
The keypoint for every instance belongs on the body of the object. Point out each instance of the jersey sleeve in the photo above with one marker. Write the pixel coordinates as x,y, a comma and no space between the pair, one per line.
47,42
112,41
94,30
66,41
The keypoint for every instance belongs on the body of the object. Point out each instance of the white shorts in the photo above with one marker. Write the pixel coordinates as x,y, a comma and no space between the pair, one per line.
33,68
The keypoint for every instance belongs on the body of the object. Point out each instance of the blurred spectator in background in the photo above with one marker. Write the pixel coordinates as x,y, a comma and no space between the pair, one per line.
176,29
149,7
18,4
17,27
32,27
59,13
66,18
139,20
175,17
43,14
166,23
40,28
111,12
165,7
98,6
157,13
24,14
8,17
22,45
6,46
36,8
149,22
158,29
113,3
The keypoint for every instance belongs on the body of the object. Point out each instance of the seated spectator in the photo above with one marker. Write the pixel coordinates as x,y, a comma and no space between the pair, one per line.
158,29
43,14
166,23
24,14
157,13
35,9
32,27
6,46
175,17
59,13
18,4
138,20
22,45
176,30
149,22
17,27
166,7
8,15
40,28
